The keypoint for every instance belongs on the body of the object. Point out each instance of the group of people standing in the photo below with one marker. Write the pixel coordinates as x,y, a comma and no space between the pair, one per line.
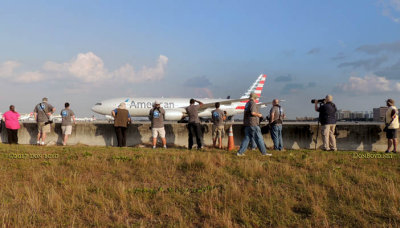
42,114
251,122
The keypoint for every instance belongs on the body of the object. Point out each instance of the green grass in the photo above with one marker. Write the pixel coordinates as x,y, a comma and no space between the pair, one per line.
83,186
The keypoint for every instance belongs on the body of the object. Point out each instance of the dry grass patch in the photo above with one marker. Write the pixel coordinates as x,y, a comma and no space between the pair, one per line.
130,187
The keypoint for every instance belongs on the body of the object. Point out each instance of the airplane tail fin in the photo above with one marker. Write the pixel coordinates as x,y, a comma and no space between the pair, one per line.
257,87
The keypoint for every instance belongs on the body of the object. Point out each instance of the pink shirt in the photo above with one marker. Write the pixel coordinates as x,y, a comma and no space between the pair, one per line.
11,119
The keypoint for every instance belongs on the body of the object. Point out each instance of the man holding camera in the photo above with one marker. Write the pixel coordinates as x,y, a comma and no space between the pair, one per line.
42,113
251,121
327,118
194,123
276,115
156,116
392,124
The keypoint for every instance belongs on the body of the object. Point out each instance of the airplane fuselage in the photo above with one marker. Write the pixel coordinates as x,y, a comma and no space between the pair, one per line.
140,107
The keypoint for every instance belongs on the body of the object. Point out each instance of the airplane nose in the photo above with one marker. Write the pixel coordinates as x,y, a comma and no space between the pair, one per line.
95,109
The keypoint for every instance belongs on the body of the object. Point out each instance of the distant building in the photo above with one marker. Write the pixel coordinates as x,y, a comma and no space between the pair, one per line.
353,116
379,114
343,115
306,118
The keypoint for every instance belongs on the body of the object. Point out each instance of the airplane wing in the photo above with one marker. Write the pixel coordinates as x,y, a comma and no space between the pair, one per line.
265,104
223,102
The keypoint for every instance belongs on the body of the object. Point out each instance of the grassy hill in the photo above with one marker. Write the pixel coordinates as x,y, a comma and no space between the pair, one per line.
123,187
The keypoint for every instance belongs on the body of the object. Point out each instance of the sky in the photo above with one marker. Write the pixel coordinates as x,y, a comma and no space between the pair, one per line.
87,51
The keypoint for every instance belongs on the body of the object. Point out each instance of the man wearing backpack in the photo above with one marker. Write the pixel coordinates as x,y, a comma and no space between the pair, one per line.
156,116
276,119
42,113
392,124
217,117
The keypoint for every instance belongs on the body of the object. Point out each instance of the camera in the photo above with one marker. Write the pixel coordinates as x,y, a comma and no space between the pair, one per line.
48,122
319,101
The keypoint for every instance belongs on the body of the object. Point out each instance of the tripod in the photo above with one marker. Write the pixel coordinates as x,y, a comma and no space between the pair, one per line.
316,138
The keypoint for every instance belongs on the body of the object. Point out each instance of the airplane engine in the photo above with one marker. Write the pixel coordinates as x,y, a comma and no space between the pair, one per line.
173,115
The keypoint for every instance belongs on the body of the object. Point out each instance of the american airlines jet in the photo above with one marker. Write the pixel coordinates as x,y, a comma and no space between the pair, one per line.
175,107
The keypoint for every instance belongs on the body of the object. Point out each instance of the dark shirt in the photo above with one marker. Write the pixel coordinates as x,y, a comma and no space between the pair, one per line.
327,113
248,119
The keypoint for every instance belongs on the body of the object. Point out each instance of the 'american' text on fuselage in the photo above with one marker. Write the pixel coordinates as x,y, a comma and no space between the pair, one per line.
150,105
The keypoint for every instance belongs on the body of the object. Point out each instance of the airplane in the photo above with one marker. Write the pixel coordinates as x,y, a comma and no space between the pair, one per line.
175,107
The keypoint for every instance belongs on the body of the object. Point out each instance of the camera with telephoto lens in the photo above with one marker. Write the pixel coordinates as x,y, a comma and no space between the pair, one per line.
319,101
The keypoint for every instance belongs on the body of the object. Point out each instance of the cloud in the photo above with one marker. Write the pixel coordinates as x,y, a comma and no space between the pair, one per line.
392,72
339,56
197,82
287,78
369,84
292,88
391,9
7,68
203,92
373,49
29,77
314,51
368,64
86,68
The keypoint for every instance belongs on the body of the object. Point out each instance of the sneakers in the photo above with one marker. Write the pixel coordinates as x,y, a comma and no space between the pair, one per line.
154,147
267,154
164,147
240,155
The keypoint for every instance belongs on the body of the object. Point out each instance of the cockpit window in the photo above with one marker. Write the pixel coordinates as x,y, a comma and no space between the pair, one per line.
98,104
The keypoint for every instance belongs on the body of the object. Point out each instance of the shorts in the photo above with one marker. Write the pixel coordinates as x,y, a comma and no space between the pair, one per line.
158,131
391,134
66,130
43,128
218,131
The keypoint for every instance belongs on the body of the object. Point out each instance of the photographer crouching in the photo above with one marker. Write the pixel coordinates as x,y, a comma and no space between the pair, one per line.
327,118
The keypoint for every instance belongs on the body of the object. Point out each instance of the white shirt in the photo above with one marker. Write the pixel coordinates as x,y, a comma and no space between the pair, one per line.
395,123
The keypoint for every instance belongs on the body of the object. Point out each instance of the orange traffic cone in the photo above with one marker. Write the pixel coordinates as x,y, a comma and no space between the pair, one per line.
231,142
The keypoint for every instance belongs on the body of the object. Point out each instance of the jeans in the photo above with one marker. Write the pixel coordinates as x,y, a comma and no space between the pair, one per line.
194,129
276,135
253,132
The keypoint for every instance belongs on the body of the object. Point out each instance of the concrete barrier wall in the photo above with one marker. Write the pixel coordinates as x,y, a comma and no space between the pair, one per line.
367,137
